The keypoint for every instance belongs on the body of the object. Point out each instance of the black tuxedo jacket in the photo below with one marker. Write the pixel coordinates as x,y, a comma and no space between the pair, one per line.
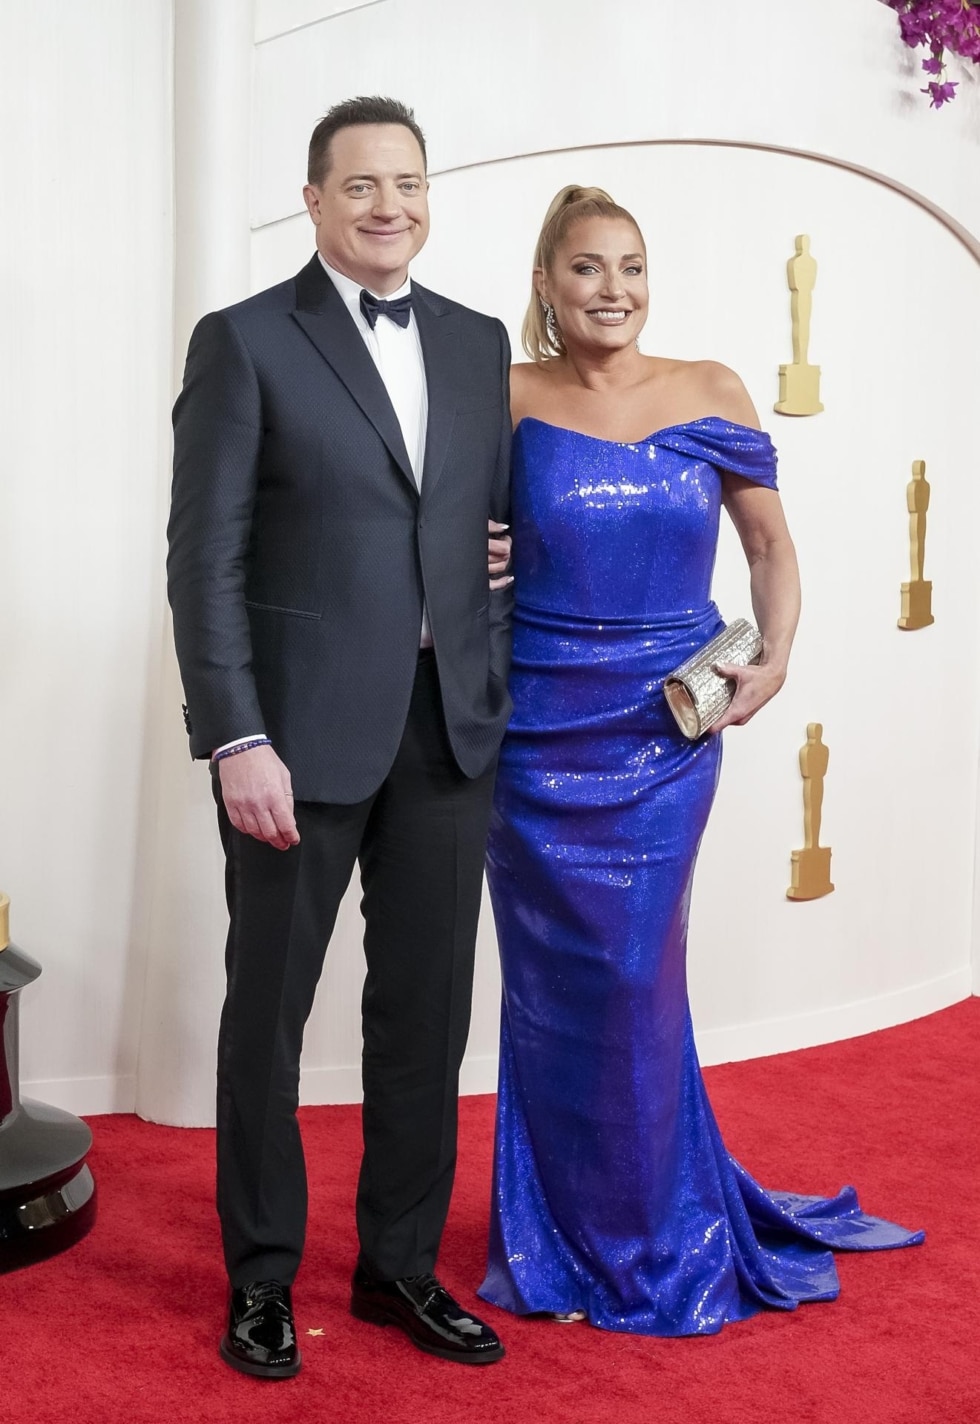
301,550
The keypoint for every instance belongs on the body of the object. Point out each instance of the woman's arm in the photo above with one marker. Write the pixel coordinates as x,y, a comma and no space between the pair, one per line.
774,581
774,577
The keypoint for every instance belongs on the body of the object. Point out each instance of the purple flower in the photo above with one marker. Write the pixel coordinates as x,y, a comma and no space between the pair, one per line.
940,25
941,93
914,28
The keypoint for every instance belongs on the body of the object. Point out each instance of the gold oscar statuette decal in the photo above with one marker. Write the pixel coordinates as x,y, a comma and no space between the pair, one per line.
4,922
799,384
917,593
810,867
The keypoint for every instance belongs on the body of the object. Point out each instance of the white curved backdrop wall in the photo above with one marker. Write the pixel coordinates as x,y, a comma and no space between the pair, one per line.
894,939
515,106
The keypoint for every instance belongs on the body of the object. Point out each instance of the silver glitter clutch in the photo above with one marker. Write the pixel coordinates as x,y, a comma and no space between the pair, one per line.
695,693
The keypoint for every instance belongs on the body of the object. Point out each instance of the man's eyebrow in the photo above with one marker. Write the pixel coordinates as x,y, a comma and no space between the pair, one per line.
373,177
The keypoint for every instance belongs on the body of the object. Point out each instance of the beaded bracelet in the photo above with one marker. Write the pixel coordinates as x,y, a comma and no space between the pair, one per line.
241,747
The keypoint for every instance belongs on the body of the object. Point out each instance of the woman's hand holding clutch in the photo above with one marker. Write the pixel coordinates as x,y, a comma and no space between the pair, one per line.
755,685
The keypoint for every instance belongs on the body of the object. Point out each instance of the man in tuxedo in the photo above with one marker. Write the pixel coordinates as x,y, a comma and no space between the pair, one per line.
340,441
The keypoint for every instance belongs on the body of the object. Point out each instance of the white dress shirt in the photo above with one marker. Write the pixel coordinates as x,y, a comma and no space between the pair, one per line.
397,353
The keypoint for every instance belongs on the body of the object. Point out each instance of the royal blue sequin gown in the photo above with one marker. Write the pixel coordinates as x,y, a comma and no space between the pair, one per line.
613,1192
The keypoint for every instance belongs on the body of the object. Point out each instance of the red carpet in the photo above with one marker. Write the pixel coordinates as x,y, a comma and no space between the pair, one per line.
125,1326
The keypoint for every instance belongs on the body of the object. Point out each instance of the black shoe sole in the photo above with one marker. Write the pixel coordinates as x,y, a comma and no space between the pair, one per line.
376,1315
247,1367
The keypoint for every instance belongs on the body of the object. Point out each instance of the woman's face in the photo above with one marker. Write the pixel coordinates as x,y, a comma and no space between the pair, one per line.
598,285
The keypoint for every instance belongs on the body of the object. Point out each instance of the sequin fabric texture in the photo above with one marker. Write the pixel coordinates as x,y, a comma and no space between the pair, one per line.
613,1192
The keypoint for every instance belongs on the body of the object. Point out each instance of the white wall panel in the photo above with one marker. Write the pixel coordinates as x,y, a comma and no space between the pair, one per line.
85,289
274,18
515,78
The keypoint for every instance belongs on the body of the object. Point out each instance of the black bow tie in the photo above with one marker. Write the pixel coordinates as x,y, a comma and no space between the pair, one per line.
399,311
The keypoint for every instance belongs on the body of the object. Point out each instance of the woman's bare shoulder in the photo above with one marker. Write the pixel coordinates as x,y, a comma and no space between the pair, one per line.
526,375
521,372
721,391
528,379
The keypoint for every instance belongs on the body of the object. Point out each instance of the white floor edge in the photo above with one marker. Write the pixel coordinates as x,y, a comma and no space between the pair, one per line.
91,1097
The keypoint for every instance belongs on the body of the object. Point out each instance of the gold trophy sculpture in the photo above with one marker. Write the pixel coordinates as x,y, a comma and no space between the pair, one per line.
917,594
4,922
810,867
799,384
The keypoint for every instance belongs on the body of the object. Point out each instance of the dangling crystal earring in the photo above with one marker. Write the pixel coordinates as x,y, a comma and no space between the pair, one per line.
554,330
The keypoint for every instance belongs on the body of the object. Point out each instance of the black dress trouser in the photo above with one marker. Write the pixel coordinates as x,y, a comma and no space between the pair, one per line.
420,843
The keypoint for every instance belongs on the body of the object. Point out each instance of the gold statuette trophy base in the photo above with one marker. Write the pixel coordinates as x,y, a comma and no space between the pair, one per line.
916,605
799,391
810,873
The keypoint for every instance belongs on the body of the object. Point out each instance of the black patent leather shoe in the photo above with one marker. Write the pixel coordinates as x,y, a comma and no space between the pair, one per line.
429,1316
261,1338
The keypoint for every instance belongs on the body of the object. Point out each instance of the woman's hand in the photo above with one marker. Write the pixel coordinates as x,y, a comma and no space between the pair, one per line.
755,685
498,552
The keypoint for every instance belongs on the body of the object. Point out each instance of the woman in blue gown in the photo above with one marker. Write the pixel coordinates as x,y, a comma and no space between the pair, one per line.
614,1198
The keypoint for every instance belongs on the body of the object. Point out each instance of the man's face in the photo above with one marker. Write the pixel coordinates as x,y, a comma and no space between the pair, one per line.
371,211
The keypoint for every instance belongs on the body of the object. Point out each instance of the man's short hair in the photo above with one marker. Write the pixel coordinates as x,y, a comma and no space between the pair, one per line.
372,109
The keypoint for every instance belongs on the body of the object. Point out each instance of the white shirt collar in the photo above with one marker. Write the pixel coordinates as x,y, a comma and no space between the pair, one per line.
351,290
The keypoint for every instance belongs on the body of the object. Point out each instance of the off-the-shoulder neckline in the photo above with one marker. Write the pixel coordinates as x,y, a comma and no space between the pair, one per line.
664,429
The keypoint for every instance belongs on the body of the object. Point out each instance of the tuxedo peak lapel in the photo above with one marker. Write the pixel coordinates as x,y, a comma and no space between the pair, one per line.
321,312
439,336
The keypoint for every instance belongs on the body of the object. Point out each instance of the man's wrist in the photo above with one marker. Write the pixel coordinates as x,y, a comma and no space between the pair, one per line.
243,744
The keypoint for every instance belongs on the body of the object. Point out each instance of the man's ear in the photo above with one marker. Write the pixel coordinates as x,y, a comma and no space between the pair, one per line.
311,197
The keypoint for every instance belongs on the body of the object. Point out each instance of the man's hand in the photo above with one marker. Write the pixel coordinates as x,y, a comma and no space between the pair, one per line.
499,555
258,796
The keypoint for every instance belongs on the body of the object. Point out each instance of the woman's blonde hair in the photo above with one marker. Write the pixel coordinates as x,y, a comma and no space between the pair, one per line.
568,207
